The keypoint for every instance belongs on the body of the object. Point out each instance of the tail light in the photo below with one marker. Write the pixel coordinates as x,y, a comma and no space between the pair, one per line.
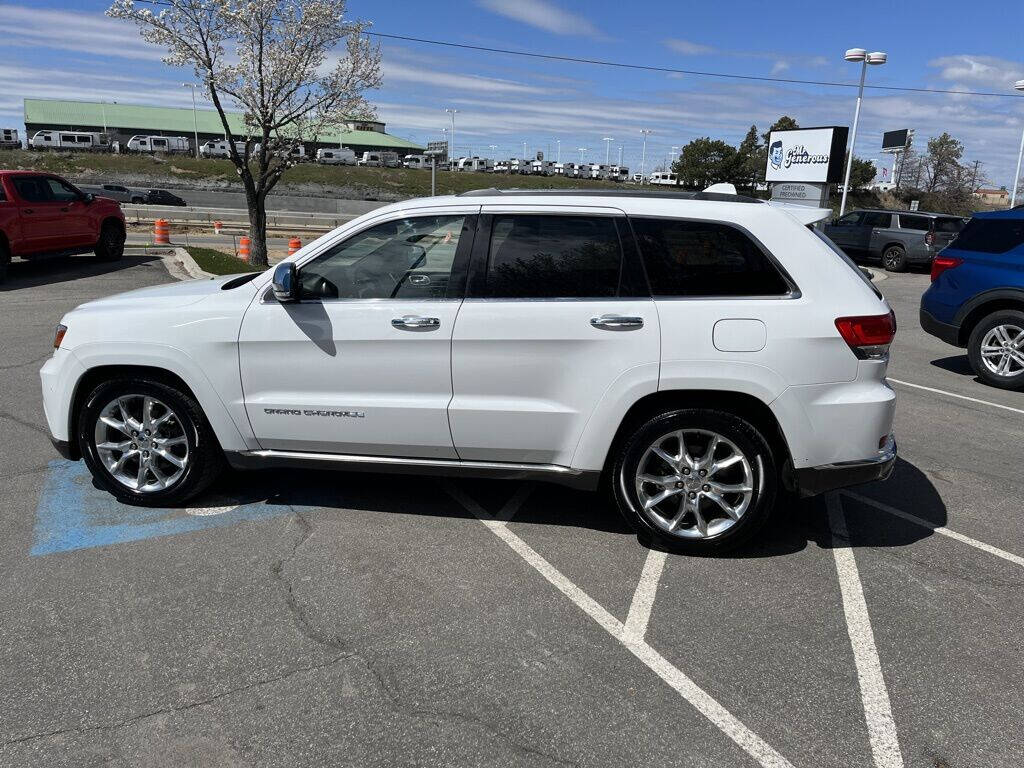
929,239
941,263
869,336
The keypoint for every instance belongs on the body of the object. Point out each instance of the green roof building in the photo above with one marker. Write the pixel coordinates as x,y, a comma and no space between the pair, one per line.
122,121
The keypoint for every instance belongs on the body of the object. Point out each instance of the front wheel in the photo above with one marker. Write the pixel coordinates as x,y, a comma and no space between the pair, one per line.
894,258
147,442
996,349
695,481
110,246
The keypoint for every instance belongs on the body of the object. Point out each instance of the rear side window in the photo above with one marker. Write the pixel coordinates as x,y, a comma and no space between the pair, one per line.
877,219
553,257
991,235
697,258
922,223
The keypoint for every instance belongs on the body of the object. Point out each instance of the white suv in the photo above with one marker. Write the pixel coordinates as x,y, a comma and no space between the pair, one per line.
696,352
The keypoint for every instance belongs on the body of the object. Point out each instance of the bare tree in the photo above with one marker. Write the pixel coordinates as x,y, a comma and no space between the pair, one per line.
276,61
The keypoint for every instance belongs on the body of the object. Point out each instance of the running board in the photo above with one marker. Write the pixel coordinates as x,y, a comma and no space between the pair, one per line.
554,473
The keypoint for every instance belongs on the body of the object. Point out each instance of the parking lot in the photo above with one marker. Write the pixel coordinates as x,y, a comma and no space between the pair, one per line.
300,618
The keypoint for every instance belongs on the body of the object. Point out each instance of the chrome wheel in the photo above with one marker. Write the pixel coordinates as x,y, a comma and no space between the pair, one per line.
893,258
142,443
694,483
1002,350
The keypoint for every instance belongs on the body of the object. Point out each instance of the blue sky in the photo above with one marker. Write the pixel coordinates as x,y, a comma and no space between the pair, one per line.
70,50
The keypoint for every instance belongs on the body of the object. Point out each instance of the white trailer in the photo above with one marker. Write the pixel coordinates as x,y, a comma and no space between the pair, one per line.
9,138
219,148
71,140
341,156
159,144
662,177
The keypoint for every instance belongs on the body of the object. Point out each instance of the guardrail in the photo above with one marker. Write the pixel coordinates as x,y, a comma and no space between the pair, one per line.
232,216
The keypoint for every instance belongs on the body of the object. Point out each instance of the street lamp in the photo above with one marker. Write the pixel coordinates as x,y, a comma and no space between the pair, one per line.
607,148
452,112
582,151
877,58
558,150
492,147
524,150
671,156
195,120
1019,85
643,155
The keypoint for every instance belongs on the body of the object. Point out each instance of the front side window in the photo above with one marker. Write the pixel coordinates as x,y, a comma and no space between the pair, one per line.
32,189
698,258
553,257
849,220
61,192
400,259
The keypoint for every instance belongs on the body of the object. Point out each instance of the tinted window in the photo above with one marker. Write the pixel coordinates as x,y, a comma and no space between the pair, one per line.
991,235
695,258
402,259
849,219
949,225
3,195
61,192
547,257
922,223
877,219
32,189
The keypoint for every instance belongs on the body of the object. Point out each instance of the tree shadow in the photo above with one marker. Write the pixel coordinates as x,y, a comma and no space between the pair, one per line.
32,274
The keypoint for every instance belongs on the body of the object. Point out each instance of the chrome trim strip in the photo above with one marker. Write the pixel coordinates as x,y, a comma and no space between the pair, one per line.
345,458
888,453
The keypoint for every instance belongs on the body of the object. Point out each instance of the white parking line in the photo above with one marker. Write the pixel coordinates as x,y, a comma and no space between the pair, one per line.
643,599
958,397
1015,559
703,702
885,745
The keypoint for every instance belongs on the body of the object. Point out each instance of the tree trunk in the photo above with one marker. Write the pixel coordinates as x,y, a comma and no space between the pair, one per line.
257,229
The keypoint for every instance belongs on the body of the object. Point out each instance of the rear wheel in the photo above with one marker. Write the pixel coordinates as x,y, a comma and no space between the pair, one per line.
110,246
996,349
894,258
147,442
695,481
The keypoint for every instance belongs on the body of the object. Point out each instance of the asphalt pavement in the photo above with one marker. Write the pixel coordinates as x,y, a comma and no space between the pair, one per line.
300,618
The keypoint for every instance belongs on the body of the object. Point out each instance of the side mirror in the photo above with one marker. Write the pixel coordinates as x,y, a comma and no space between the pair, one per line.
88,197
286,283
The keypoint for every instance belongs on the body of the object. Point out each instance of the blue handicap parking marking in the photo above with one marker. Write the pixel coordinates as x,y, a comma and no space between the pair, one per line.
73,514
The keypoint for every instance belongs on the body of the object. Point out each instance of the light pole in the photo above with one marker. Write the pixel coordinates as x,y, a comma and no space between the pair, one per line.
558,150
582,151
1019,85
671,157
195,120
643,155
492,147
607,148
876,58
620,155
524,150
452,112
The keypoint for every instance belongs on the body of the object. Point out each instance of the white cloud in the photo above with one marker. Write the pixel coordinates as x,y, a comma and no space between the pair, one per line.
391,72
41,28
687,48
779,67
543,15
979,71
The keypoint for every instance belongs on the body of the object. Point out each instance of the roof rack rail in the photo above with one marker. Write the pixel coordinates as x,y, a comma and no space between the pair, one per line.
671,195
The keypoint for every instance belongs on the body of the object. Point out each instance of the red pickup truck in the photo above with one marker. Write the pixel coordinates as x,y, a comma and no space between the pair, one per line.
43,215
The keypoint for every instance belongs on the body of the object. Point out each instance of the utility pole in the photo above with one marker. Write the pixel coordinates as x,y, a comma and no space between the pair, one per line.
607,148
974,176
452,112
558,150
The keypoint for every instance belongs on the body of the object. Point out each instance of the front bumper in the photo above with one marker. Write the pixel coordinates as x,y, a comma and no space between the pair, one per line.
947,332
811,481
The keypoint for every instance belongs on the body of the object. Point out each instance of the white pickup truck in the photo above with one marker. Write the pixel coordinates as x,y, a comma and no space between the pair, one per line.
689,353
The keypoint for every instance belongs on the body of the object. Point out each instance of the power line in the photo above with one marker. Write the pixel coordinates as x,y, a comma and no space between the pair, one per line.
664,70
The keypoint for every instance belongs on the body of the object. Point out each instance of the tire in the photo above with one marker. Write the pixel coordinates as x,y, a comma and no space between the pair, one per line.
110,246
894,259
985,349
137,201
755,472
5,260
186,435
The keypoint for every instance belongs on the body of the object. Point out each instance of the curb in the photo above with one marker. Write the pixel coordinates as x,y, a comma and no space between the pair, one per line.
874,276
178,262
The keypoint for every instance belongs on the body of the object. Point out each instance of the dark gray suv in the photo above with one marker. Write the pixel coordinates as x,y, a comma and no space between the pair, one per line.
898,238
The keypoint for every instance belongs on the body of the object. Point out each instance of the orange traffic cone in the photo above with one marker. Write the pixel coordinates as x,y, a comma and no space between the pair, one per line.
243,248
293,245
161,232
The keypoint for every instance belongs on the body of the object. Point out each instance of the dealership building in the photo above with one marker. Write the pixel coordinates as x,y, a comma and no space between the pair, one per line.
122,121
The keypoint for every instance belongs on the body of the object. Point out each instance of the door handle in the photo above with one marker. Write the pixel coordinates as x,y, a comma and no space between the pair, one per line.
27,210
416,323
617,322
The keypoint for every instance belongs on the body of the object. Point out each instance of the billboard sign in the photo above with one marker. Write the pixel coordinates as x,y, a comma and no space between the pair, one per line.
813,155
439,147
895,139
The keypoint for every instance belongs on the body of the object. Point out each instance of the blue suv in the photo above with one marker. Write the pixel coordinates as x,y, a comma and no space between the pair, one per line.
976,299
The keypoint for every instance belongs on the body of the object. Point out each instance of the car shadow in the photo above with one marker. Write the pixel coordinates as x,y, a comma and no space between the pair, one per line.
795,524
31,274
958,364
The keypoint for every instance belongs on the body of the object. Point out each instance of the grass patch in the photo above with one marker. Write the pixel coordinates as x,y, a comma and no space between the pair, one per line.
218,262
365,182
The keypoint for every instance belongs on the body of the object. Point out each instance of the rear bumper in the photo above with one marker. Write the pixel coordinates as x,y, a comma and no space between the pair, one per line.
948,332
811,481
